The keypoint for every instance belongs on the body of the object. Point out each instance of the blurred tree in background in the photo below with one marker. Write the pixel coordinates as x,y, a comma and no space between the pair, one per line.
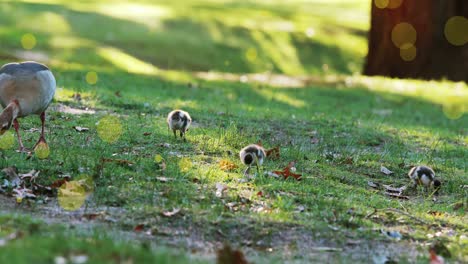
419,39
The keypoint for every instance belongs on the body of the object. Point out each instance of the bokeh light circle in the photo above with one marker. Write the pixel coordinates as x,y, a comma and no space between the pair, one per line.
158,158
92,77
403,34
392,4
185,164
7,140
109,128
42,150
71,195
381,3
408,52
456,30
454,110
28,41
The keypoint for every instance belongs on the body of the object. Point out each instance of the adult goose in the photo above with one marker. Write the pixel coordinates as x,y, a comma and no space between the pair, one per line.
26,88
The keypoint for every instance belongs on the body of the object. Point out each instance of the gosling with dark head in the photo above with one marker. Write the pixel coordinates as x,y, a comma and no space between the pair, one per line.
252,155
423,175
179,120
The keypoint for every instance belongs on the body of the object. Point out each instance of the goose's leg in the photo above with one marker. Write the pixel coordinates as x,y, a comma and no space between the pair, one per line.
41,138
16,125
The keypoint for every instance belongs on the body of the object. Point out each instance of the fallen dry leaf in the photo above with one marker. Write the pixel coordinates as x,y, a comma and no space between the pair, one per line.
164,179
273,153
139,228
226,165
385,170
81,129
220,189
373,185
434,213
171,213
389,188
288,171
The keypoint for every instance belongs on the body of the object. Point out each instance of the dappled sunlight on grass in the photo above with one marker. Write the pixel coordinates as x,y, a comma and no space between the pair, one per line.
126,62
278,95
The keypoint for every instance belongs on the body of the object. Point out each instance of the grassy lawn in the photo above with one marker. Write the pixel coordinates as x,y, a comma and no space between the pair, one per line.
237,67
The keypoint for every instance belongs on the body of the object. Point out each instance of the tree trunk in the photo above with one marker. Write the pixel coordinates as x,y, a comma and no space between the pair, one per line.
436,57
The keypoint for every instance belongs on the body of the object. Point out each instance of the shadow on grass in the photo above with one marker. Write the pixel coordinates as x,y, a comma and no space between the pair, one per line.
181,43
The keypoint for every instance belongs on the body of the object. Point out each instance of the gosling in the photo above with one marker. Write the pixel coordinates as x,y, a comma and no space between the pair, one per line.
179,120
252,155
423,175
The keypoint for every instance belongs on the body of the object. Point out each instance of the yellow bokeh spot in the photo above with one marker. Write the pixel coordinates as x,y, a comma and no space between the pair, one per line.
388,3
109,128
158,158
404,34
7,140
42,150
91,77
185,164
71,195
28,41
381,3
453,111
456,30
408,52
86,182
251,54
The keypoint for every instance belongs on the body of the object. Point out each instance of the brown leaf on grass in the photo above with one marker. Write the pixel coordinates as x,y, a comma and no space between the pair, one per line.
58,183
92,216
81,129
139,228
146,133
260,143
273,153
435,213
287,171
227,255
171,213
226,165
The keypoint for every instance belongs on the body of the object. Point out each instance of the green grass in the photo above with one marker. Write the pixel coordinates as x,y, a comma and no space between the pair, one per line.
151,59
